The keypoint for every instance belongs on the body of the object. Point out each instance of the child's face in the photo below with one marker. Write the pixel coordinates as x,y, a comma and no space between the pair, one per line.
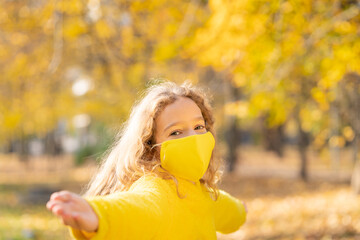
180,119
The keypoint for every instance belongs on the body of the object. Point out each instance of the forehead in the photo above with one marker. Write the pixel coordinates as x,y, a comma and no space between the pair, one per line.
182,110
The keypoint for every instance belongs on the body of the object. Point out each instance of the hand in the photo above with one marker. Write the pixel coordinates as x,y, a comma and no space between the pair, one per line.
73,210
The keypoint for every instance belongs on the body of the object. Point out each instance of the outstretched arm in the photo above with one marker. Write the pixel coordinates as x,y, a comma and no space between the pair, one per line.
73,210
115,216
230,213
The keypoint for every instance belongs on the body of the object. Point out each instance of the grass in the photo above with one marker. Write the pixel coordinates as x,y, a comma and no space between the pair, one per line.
21,221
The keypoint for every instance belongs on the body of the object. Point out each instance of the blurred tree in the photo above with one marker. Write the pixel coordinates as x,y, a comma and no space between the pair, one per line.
29,93
274,138
59,59
286,56
232,131
349,104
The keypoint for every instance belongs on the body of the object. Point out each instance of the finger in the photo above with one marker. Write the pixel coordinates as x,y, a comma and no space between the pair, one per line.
54,195
75,216
63,196
50,204
57,209
60,210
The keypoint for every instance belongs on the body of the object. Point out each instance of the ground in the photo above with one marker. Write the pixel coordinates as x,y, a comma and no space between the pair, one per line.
280,205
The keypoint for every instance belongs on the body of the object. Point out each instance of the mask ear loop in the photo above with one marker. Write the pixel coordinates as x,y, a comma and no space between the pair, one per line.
155,145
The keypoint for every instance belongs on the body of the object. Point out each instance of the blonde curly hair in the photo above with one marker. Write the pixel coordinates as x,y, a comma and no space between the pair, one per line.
132,156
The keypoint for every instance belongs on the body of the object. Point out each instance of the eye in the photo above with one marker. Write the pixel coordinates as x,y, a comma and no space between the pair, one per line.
175,133
199,127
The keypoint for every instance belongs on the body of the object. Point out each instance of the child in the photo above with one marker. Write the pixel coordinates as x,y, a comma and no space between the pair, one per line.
159,179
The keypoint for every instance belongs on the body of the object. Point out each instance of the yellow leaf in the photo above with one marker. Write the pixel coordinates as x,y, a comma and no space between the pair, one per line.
165,50
337,141
103,29
238,108
348,133
73,27
70,6
344,27
11,120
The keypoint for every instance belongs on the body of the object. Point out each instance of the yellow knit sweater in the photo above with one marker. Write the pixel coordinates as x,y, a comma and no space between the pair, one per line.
151,209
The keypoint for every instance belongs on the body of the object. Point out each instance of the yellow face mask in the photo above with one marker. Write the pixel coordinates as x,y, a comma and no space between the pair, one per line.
187,157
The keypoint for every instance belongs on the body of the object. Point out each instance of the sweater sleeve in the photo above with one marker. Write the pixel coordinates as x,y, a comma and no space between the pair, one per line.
230,213
125,215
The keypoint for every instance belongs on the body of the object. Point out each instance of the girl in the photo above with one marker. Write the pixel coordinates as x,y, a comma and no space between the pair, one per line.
159,179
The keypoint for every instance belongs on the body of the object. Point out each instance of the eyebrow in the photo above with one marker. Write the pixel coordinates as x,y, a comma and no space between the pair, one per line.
175,123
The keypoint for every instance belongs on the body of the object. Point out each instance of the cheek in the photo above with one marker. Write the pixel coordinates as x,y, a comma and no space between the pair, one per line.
156,137
204,130
159,138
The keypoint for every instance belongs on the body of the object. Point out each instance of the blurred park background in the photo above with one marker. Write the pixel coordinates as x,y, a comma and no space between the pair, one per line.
285,81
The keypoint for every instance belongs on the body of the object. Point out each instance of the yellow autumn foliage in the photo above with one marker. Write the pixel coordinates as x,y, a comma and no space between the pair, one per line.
299,49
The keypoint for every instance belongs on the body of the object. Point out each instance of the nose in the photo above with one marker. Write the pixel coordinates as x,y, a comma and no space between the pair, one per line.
190,132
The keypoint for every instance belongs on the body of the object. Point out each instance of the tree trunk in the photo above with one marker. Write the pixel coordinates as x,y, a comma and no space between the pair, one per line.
52,145
351,89
232,143
302,146
274,138
231,132
303,142
355,178
23,150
